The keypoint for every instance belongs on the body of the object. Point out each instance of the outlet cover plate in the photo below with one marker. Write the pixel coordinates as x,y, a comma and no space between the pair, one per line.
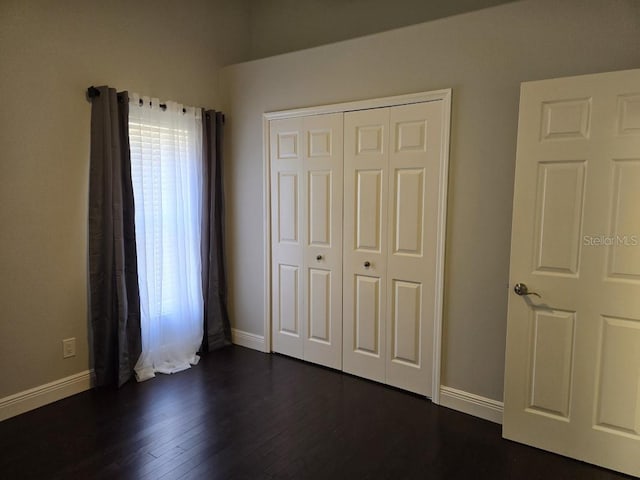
69,347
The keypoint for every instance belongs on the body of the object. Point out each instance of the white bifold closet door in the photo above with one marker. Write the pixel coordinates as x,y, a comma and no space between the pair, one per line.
306,219
392,173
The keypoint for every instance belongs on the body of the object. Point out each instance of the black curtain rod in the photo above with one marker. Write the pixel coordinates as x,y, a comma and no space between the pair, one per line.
163,106
93,92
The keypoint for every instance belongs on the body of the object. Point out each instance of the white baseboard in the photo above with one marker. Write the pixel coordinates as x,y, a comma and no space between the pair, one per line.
36,397
472,404
249,340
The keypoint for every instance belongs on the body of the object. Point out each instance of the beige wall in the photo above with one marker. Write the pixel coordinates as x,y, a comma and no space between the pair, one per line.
280,26
50,52
483,56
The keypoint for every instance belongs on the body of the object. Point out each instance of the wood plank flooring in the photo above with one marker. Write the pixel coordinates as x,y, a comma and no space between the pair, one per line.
241,414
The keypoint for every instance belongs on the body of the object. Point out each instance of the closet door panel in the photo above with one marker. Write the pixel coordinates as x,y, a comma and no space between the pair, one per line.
367,319
287,143
368,210
319,305
319,211
414,173
323,239
365,242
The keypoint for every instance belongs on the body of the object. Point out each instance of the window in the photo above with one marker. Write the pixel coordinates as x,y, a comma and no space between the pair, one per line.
166,167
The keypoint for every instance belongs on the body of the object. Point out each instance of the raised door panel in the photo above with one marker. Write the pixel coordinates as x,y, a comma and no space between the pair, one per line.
551,355
319,311
320,202
323,164
406,316
628,114
288,319
408,211
618,377
623,243
559,208
368,221
566,119
287,213
367,316
415,172
365,242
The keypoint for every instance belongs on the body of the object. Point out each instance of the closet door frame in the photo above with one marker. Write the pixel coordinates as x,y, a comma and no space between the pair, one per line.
443,96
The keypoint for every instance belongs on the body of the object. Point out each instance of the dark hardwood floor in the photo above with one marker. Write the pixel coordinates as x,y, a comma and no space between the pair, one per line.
241,414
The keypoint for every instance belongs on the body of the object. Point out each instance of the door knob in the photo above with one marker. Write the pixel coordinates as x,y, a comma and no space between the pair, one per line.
522,290
367,264
319,257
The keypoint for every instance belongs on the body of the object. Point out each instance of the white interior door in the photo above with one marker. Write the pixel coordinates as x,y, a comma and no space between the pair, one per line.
323,240
415,168
306,213
394,193
287,235
366,159
572,380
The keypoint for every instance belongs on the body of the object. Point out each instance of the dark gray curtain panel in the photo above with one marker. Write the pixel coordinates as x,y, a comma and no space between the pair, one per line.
217,329
113,271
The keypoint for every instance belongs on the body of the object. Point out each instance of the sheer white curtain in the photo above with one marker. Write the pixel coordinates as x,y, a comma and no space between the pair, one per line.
166,168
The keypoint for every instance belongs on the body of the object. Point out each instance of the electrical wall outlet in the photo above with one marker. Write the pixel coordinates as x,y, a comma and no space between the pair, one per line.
69,347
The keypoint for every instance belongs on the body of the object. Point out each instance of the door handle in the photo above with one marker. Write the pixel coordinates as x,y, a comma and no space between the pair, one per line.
319,257
522,290
367,264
